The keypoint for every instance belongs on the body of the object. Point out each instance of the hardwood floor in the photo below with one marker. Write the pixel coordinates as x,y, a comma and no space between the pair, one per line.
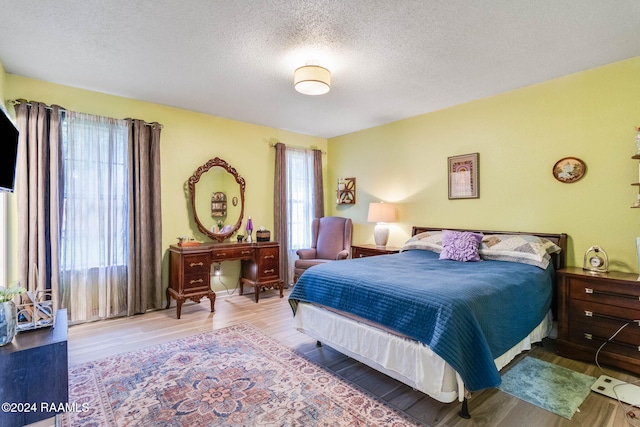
273,315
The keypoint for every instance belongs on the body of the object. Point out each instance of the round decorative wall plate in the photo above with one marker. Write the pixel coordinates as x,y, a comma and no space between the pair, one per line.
569,169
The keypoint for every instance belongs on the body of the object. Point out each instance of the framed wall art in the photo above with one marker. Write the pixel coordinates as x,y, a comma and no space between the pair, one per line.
463,176
569,169
346,191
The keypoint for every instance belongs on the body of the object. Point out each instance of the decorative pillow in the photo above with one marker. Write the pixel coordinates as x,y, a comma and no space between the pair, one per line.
428,241
522,248
460,245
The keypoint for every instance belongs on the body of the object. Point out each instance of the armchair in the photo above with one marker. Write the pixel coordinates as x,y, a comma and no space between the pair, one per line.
330,241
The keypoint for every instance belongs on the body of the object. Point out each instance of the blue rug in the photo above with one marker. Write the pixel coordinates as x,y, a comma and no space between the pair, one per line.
548,386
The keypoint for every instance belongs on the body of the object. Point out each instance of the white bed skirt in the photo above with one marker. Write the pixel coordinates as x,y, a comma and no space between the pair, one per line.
404,359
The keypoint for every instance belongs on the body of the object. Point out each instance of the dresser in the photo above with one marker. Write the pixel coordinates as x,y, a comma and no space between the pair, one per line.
190,269
361,251
591,308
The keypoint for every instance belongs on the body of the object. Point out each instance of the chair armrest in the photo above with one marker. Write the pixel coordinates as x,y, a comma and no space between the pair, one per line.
306,253
344,254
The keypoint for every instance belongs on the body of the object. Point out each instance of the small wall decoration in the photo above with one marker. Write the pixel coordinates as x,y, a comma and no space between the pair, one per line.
218,204
346,191
569,169
463,176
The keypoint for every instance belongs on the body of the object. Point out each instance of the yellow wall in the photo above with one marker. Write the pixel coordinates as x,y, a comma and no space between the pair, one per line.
3,74
519,135
188,140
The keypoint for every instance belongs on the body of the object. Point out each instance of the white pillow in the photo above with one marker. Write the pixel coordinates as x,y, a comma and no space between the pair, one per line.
428,241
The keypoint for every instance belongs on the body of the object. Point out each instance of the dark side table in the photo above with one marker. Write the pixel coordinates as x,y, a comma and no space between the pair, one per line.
361,251
34,374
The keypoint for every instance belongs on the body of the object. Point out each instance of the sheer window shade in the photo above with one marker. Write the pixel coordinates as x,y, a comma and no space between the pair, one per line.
94,229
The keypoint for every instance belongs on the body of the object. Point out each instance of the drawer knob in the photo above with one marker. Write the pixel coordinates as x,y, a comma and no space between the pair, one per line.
221,254
246,252
269,257
588,313
360,255
269,271
196,264
588,336
588,290
196,281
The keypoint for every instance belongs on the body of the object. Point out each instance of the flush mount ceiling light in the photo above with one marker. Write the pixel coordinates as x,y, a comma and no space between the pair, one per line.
312,80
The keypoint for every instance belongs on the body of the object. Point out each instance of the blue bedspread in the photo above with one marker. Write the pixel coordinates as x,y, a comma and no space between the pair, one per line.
468,313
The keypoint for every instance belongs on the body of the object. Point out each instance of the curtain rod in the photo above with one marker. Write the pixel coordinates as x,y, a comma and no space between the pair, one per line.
271,144
15,102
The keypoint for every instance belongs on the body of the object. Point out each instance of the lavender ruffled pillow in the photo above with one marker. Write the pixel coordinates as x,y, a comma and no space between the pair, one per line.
460,245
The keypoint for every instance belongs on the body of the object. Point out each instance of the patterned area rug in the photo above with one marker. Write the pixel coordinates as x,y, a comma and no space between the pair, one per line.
236,376
548,386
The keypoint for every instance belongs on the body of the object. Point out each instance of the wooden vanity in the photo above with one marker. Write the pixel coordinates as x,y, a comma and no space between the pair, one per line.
217,182
190,269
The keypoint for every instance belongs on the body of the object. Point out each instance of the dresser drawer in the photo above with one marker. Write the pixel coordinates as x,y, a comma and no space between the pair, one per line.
593,336
362,252
601,331
579,309
196,264
231,253
615,294
196,282
267,272
268,261
371,250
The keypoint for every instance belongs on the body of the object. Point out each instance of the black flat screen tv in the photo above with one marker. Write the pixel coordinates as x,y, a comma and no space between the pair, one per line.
8,152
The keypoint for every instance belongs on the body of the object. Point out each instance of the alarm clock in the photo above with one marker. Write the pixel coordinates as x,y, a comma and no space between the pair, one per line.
596,260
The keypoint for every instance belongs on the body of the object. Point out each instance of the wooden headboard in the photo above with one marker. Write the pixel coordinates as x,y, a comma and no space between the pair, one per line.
560,239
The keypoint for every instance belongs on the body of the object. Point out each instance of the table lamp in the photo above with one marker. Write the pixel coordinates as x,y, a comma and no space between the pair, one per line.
381,213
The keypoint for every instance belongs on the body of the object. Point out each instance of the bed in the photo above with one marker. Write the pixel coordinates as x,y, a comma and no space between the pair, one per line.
441,326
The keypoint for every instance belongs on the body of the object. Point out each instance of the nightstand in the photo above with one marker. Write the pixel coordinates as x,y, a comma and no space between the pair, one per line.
361,251
591,308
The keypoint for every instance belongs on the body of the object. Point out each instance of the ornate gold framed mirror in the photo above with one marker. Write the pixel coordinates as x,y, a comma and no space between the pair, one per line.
215,179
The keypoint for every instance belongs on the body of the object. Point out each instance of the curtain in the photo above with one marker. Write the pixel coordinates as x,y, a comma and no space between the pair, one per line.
280,229
145,220
39,199
299,198
94,242
318,191
89,220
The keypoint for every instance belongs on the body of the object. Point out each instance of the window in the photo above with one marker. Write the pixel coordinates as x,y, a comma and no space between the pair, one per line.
299,197
94,215
94,230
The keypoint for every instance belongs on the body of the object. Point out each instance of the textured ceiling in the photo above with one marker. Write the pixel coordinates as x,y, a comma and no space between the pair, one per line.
389,59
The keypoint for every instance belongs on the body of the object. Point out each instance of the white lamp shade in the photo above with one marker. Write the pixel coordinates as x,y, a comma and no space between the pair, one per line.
312,80
381,212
